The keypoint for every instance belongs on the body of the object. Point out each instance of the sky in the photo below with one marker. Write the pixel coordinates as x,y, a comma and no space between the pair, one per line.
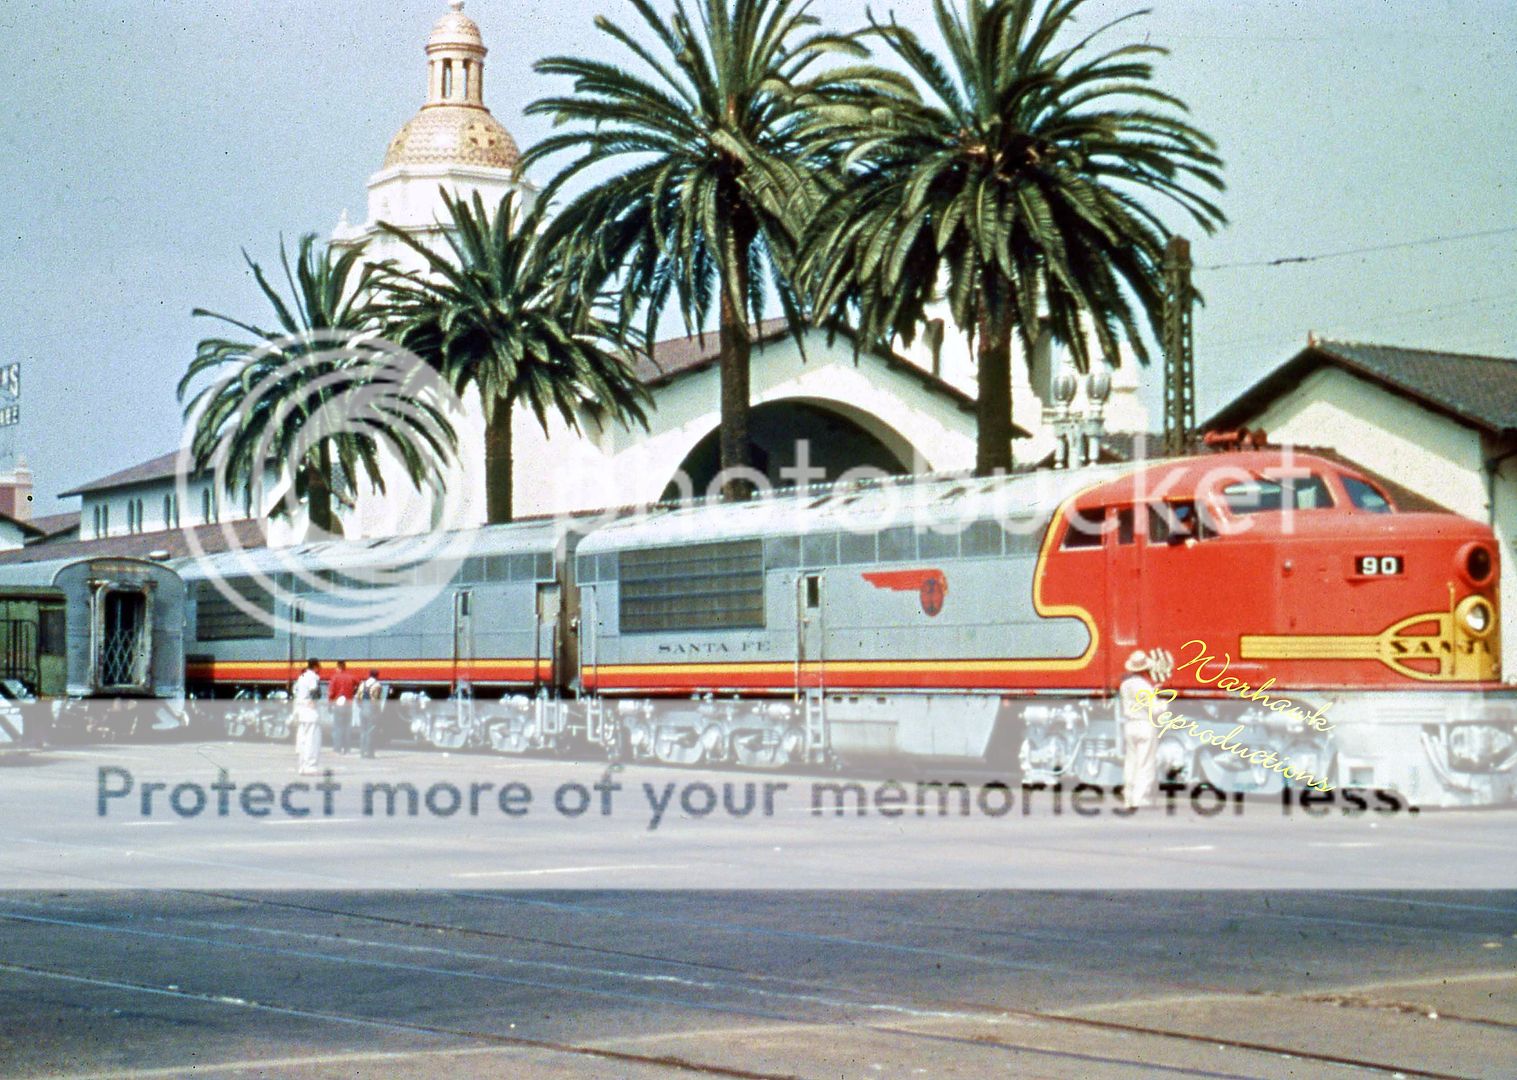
146,143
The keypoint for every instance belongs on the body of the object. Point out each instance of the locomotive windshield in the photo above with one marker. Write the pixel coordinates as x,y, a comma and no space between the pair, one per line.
1261,495
1366,496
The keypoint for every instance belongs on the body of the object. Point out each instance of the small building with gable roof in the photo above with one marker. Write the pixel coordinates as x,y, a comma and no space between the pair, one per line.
1441,424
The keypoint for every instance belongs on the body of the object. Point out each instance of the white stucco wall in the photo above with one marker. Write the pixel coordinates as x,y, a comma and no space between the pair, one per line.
1417,448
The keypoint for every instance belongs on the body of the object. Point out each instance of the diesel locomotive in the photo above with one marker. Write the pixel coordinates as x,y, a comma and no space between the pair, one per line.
951,619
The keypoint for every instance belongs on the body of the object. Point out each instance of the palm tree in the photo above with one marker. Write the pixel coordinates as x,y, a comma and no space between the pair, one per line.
503,315
712,184
308,393
1016,176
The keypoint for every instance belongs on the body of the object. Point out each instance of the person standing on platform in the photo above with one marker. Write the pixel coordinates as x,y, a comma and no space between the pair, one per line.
1146,672
307,693
342,697
371,692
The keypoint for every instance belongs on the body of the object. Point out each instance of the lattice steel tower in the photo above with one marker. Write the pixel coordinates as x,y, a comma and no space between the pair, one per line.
1179,350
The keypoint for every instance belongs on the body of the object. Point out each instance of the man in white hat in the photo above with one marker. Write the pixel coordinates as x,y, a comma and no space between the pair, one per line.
1140,739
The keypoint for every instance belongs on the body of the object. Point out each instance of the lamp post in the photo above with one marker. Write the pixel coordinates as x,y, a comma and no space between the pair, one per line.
1097,391
1064,423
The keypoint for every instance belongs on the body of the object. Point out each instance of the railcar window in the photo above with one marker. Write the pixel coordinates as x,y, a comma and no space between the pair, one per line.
1261,495
1084,529
1126,525
898,544
856,547
50,632
217,618
782,552
936,545
1366,496
716,586
981,539
819,549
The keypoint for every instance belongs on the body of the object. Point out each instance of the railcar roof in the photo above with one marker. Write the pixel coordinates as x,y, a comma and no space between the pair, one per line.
862,507
1181,478
516,538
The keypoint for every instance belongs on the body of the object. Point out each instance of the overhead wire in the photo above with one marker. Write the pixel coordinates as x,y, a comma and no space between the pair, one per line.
1295,260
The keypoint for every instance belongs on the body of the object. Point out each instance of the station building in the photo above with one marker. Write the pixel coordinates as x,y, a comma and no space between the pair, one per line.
1441,425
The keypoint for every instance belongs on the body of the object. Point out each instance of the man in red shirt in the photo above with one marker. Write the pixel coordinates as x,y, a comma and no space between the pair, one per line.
340,692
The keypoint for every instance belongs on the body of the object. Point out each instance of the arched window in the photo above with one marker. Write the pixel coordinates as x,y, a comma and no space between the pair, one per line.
105,520
447,79
98,533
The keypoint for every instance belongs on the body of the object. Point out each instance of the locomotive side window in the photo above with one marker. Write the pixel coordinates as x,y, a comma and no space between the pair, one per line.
715,586
1126,524
1176,522
1085,529
1366,496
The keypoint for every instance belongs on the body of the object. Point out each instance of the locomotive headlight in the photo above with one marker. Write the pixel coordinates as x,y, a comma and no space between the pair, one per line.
1475,616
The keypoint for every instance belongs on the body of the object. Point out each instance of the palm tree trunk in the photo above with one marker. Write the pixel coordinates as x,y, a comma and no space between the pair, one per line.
735,351
319,488
498,463
993,407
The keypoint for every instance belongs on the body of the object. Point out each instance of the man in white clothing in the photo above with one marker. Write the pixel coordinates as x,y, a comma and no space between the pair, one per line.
1140,740
307,721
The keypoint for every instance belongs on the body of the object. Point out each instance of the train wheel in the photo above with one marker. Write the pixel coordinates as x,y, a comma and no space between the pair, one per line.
1231,773
1177,761
447,736
505,738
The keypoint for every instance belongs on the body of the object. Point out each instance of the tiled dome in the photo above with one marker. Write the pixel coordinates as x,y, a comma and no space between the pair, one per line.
454,127
453,134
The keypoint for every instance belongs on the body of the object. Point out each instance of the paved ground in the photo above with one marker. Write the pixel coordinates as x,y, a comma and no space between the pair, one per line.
621,981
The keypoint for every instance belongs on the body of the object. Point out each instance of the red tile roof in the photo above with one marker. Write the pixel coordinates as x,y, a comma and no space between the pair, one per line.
53,524
158,468
247,533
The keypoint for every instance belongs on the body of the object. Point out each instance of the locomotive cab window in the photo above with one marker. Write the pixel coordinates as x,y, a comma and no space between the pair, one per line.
1177,522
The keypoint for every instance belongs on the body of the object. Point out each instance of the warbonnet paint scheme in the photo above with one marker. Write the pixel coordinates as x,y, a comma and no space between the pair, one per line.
941,618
